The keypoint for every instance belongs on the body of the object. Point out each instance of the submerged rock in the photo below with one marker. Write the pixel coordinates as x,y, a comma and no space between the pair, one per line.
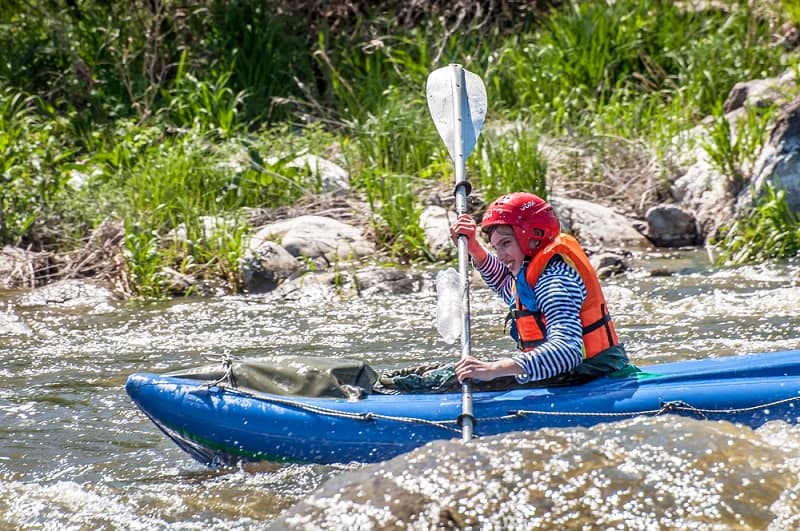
266,265
347,284
647,473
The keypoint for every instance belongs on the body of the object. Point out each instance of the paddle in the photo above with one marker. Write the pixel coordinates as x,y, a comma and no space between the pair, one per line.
457,101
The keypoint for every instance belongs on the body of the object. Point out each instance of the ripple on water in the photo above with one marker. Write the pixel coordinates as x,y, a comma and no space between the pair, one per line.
76,454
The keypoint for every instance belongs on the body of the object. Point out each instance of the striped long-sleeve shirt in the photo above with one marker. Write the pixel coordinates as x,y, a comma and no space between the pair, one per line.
558,294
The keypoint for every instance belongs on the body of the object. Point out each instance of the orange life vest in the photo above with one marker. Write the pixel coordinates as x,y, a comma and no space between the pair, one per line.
598,329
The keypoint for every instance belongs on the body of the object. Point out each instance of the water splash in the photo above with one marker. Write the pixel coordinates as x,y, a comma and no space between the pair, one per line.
639,474
11,324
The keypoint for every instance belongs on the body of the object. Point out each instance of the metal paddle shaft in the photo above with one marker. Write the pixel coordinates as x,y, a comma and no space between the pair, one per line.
457,101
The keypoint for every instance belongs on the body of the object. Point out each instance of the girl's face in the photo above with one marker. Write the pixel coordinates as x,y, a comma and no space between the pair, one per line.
506,246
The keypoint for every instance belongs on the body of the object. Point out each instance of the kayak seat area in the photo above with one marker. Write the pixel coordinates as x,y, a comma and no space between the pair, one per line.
288,375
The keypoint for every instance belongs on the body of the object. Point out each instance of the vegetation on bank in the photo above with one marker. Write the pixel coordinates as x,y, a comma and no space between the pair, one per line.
157,113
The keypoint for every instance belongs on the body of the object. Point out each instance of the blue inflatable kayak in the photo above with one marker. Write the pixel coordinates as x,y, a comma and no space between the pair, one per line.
220,425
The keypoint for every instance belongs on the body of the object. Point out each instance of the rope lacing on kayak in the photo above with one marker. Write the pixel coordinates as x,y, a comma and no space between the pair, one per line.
451,425
368,415
666,407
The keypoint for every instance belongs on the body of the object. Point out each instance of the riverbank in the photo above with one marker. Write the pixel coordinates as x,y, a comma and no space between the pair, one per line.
157,186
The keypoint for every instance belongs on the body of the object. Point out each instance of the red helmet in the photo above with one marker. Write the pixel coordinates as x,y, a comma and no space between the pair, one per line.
531,217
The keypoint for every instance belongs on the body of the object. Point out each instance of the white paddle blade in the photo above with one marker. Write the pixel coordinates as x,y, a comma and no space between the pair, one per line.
449,305
444,86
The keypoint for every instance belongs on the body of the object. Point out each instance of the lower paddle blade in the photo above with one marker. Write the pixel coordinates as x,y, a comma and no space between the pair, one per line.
449,305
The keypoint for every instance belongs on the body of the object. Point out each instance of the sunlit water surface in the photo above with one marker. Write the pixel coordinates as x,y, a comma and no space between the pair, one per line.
75,453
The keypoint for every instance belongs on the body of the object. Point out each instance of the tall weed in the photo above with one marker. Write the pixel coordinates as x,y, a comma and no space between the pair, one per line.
143,261
509,162
771,230
733,149
363,70
399,137
210,106
396,215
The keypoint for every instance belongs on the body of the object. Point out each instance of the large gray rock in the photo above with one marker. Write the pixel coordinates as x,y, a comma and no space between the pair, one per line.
779,162
671,226
318,236
332,177
266,265
435,221
716,200
597,226
705,193
760,92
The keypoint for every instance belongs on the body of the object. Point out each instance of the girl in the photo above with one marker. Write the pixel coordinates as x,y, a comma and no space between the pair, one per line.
558,313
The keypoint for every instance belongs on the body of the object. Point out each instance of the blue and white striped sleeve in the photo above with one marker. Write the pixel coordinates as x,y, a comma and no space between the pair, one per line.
560,293
497,277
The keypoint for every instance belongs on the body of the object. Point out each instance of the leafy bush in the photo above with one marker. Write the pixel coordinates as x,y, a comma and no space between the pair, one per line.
770,231
507,163
161,113
732,151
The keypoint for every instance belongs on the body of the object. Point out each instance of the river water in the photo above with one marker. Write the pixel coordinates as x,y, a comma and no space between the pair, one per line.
75,453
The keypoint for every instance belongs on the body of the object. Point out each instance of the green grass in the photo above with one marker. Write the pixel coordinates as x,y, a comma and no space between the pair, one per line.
508,162
170,115
172,187
792,10
733,150
770,231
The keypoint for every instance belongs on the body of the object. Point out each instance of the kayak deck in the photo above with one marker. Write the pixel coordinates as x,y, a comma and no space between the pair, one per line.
220,425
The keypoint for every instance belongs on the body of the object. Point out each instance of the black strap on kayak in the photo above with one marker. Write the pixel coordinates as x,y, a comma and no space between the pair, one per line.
466,416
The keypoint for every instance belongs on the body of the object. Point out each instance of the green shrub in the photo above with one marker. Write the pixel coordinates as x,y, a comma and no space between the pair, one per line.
209,106
508,162
396,215
733,151
32,171
770,231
